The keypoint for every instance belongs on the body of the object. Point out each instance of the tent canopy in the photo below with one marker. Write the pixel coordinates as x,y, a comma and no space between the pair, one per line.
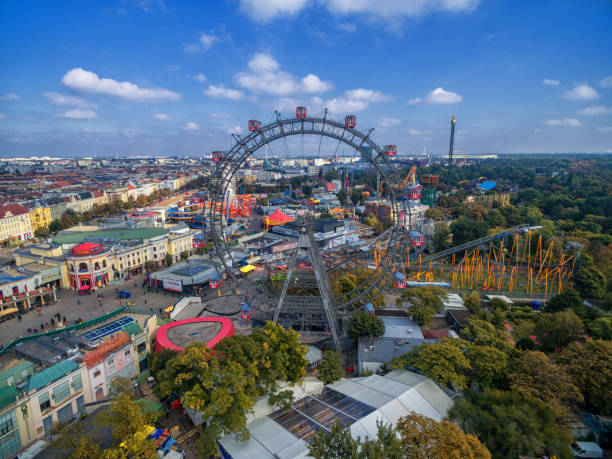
278,218
247,268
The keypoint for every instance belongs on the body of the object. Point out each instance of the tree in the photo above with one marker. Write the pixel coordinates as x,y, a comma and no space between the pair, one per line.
590,282
121,385
42,232
330,368
444,362
472,302
489,365
426,302
557,330
342,196
363,323
601,328
423,437
509,425
526,344
414,437
168,259
441,237
307,190
225,385
70,439
356,196
590,367
537,377
465,230
482,333
568,299
126,418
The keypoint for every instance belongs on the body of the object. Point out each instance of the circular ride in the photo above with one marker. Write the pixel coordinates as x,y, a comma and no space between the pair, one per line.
259,136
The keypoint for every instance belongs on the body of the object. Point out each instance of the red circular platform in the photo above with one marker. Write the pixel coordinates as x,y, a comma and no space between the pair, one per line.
162,341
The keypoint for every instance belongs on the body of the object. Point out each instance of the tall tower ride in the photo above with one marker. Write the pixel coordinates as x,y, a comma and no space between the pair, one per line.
451,149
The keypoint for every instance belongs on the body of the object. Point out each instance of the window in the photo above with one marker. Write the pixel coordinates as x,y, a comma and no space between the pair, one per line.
128,356
44,401
96,373
7,423
111,365
61,392
104,263
77,383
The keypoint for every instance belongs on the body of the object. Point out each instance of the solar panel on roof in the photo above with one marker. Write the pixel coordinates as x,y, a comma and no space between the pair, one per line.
107,329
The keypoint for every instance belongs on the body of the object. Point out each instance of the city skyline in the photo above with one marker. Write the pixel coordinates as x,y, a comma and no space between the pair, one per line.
148,77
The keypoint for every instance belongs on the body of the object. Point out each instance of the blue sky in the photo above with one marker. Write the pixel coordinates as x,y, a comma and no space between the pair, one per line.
136,77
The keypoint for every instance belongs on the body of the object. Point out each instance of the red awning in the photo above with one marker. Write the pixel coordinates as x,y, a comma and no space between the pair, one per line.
84,287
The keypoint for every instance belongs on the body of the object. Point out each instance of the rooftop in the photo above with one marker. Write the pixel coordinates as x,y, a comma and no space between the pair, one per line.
76,237
53,373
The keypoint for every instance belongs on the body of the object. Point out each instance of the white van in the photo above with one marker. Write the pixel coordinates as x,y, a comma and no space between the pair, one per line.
586,450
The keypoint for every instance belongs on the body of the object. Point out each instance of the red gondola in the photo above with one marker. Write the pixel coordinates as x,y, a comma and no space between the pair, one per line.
350,121
254,125
300,112
391,150
217,156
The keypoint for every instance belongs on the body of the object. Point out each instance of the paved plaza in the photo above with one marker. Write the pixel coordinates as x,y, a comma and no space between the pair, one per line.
86,307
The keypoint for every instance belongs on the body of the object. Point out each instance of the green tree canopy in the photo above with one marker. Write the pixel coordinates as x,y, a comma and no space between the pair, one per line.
489,365
363,323
330,368
568,299
557,330
444,362
483,333
590,367
510,426
472,302
426,302
465,230
535,376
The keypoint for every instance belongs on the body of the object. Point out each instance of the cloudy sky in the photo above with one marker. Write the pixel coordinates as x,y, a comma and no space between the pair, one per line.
159,77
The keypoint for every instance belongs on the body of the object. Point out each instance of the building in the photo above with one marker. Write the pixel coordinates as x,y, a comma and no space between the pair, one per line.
189,276
45,255
358,404
14,224
88,266
111,359
57,394
16,427
401,335
40,217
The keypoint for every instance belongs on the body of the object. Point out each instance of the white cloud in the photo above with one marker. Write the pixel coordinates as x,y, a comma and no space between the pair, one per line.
572,122
367,95
312,83
265,76
221,92
191,126
391,10
438,96
200,78
9,96
161,116
235,130
605,129
207,40
86,81
413,131
596,110
549,82
78,114
606,82
347,27
2,116
385,123
61,99
355,100
265,10
581,92
339,105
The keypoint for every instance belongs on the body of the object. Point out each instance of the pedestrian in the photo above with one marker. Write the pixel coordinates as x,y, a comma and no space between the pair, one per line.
78,301
145,301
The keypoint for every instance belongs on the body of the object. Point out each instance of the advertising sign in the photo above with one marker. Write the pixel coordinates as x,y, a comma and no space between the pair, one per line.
174,285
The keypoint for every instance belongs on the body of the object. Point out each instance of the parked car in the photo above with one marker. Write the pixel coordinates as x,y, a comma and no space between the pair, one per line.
586,450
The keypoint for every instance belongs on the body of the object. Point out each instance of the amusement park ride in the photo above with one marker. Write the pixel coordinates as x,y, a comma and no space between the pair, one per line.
508,261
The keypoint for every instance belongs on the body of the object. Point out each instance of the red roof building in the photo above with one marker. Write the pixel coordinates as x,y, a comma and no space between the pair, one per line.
97,355
10,210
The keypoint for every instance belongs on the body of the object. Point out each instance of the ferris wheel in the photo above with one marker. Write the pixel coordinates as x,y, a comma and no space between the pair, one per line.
345,133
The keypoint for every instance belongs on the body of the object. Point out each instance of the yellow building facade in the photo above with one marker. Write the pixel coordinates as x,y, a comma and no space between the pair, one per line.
40,217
